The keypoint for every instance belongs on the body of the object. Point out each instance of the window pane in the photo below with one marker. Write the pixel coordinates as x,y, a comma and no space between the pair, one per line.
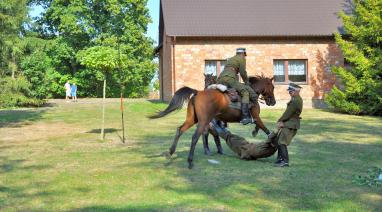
222,65
297,70
210,67
279,70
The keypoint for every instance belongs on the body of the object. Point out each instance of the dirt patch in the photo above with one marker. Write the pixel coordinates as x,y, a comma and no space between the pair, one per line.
37,131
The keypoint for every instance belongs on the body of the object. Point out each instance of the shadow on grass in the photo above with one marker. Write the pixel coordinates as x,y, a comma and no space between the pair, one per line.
138,208
14,118
320,176
8,165
106,130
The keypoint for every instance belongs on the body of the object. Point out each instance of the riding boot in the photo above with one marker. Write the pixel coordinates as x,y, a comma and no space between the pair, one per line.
283,150
245,116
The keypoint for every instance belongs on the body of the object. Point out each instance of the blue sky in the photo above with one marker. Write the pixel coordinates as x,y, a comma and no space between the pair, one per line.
152,30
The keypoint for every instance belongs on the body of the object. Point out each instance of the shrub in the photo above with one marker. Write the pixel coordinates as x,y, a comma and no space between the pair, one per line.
16,93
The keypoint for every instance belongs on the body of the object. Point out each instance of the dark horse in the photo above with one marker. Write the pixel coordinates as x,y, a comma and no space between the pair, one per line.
205,105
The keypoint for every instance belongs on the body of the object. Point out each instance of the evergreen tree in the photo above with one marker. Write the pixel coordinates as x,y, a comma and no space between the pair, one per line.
362,48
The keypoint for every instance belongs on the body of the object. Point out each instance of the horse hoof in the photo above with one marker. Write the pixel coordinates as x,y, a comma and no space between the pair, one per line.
166,154
190,165
254,133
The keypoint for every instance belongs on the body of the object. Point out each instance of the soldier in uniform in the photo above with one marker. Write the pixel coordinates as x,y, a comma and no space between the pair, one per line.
230,78
287,125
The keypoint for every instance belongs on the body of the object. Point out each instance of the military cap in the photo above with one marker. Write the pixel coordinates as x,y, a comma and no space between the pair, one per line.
241,50
293,87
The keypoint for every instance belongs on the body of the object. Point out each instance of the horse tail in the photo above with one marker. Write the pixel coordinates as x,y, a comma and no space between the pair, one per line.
180,97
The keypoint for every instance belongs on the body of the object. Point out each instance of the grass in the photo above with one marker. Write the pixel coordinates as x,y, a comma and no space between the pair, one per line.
51,159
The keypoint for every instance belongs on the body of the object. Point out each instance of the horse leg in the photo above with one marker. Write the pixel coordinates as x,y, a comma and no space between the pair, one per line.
205,143
190,121
259,123
199,130
255,131
218,144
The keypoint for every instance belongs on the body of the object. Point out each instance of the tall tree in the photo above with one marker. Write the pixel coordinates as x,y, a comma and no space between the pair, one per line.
362,48
13,14
78,25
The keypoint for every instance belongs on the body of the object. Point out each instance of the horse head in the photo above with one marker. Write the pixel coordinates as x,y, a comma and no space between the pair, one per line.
264,86
209,79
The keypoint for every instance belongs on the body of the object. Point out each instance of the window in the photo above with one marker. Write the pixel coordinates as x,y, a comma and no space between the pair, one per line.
214,67
290,70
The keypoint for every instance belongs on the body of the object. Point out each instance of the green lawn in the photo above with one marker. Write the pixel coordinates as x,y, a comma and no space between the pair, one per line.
51,159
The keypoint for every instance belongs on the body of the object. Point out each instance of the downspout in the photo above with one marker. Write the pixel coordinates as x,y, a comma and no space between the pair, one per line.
173,64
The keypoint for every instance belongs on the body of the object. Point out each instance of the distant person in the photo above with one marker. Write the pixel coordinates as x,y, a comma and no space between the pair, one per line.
67,91
74,92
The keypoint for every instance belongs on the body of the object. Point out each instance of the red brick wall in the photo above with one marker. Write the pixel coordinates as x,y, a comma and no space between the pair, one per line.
191,53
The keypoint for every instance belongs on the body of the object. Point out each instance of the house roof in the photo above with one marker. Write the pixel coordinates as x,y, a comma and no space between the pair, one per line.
252,17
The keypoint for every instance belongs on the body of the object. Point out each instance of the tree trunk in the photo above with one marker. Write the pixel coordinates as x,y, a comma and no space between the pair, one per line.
103,110
13,66
123,122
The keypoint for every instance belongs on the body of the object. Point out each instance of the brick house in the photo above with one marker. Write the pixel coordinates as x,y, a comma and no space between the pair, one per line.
291,40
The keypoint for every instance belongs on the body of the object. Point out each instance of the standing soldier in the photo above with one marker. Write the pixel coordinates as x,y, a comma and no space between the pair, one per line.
287,125
230,78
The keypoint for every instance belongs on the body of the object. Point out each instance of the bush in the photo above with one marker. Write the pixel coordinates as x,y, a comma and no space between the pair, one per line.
16,93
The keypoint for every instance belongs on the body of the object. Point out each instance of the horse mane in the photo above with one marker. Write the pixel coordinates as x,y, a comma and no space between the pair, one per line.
254,79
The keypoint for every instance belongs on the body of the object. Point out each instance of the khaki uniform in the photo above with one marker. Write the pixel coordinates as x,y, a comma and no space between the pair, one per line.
246,150
291,119
229,77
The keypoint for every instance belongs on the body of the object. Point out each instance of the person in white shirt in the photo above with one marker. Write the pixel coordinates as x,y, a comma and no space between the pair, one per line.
67,90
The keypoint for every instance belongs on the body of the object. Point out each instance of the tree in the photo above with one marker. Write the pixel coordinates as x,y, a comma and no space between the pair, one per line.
13,14
77,25
362,48
104,60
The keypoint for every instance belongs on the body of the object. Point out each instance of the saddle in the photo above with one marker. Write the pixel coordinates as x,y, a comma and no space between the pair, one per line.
231,93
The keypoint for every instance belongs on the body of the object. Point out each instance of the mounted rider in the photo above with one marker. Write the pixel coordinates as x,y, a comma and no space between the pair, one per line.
229,77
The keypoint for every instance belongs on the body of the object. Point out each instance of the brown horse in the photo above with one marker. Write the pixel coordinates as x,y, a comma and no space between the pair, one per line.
205,105
210,79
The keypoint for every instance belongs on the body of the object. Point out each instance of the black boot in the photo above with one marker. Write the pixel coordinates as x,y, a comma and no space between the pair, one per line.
278,160
245,117
283,150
